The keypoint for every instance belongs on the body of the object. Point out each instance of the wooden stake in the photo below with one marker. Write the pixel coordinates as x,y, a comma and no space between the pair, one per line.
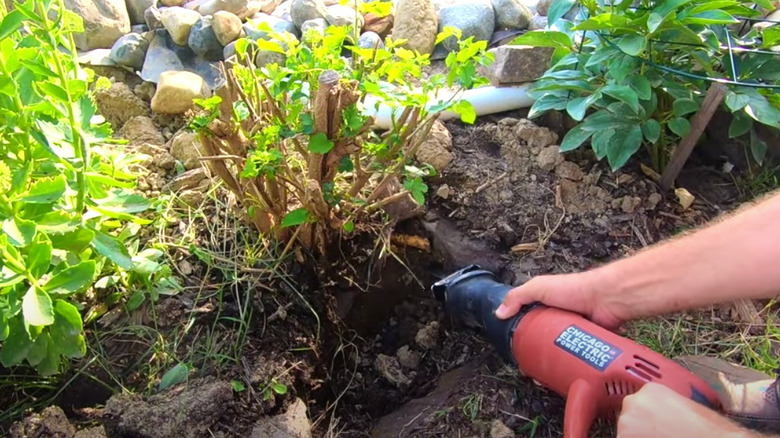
712,100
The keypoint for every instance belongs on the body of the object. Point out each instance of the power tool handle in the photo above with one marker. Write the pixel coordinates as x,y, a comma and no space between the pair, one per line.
581,409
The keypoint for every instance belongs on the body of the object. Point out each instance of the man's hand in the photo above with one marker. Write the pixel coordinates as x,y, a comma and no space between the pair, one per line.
656,411
581,293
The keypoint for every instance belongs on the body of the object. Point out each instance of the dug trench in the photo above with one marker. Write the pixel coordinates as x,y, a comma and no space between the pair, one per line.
362,341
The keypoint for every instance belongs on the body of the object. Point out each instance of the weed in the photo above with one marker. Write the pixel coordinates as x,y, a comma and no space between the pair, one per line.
471,406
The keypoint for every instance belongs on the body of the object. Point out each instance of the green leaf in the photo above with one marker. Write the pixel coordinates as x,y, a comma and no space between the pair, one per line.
600,142
348,226
19,231
295,217
72,279
237,386
11,23
174,376
632,44
466,111
4,328
417,188
45,191
740,124
654,21
682,107
628,142
279,388
135,300
770,36
109,247
652,130
736,102
50,364
67,318
641,85
124,202
543,38
39,256
574,138
577,107
38,349
680,126
51,89
76,241
623,93
17,345
758,147
37,307
557,9
762,111
710,17
319,143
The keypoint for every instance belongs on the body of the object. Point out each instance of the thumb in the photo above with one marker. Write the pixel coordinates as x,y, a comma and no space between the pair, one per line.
515,299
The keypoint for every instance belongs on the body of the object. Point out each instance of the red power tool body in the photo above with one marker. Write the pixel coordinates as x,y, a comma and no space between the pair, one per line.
592,367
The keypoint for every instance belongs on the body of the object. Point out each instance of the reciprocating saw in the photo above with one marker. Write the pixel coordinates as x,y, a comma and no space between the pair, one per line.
592,367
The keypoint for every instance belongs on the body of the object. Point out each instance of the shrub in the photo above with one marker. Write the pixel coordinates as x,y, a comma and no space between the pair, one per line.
632,73
66,206
293,141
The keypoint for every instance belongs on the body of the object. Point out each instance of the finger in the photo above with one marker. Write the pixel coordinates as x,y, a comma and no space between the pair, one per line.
514,300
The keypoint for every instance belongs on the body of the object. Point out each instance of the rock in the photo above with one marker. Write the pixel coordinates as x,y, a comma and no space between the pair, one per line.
178,21
629,204
203,41
267,57
165,55
253,30
500,430
293,423
569,170
191,198
283,10
539,22
105,22
174,3
136,9
139,28
408,358
187,411
443,191
512,14
436,148
536,137
389,368
543,6
158,156
418,25
187,148
518,64
118,104
51,422
370,40
176,90
144,90
428,336
305,10
189,180
268,6
226,27
92,432
549,157
130,51
653,200
153,18
319,24
338,15
229,50
380,25
475,18
237,7
141,129
684,197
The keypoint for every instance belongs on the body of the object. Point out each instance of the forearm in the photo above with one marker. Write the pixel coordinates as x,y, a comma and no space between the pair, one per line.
732,259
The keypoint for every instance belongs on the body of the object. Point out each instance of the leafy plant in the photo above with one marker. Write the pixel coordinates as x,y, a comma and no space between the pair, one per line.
67,211
273,387
632,73
295,139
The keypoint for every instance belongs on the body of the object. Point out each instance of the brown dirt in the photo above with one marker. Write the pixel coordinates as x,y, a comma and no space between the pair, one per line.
359,339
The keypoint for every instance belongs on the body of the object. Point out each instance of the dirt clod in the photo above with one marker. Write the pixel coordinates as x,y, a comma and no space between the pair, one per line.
293,423
51,423
389,368
118,104
189,180
436,148
629,204
140,130
408,358
92,432
187,410
536,137
569,170
428,336
548,158
500,430
443,191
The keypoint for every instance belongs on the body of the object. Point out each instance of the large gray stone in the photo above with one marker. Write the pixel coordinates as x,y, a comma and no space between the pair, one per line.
319,24
511,14
539,22
238,7
253,31
370,40
153,18
203,41
105,22
130,50
136,8
518,64
305,10
338,15
226,26
165,55
178,21
176,91
475,18
418,25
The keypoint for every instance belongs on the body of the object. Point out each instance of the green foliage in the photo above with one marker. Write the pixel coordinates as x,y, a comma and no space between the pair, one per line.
301,152
68,217
616,84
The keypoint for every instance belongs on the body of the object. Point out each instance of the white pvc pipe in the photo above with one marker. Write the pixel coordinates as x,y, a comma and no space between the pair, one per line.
485,100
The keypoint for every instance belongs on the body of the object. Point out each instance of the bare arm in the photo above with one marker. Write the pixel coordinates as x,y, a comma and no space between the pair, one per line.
738,257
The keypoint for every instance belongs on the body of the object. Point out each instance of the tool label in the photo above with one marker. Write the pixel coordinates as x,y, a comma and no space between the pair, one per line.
588,348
